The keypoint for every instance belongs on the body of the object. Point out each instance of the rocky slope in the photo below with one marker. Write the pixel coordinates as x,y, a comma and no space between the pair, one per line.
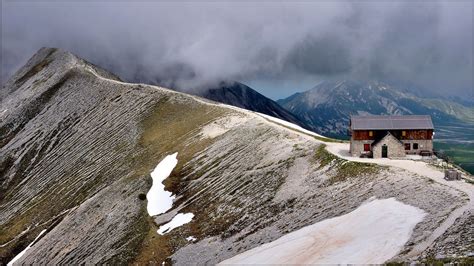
77,147
456,242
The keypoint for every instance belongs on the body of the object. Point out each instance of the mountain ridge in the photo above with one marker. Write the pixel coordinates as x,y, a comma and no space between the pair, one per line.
76,163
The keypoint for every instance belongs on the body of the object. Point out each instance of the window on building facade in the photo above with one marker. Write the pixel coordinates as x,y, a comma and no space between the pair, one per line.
415,146
407,146
371,133
366,147
404,133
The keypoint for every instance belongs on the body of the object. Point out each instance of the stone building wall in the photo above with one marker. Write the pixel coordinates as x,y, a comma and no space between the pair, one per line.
357,146
423,145
395,148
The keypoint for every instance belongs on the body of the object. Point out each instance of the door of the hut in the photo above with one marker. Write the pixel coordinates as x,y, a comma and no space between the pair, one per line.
384,151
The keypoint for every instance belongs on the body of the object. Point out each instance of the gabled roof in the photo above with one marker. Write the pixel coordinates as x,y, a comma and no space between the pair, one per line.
391,122
384,137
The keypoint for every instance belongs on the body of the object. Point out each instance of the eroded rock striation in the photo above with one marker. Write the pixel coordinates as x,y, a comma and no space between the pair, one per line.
77,147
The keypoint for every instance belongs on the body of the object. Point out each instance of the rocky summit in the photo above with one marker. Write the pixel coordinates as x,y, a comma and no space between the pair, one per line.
78,148
240,95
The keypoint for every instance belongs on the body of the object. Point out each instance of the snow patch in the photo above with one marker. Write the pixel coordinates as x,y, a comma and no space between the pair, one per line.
290,125
373,233
191,238
17,257
160,200
177,221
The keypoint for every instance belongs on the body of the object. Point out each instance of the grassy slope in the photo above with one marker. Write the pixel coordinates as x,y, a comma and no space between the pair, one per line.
459,111
171,127
460,154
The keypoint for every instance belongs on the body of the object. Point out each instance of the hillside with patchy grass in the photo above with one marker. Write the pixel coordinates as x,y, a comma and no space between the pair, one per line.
77,147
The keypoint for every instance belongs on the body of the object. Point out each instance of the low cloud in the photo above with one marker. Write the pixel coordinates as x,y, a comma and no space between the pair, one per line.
192,45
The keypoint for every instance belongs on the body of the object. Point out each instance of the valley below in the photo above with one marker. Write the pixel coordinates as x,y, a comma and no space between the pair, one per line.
457,142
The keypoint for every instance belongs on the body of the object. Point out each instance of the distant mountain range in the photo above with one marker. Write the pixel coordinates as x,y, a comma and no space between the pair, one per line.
327,107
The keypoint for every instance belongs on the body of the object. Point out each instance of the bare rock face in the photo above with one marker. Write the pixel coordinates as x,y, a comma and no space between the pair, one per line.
457,242
65,143
77,147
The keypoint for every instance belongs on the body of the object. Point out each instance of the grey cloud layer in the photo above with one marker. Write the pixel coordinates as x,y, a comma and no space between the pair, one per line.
195,44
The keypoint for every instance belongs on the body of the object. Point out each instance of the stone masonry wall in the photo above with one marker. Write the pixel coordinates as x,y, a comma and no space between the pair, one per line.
357,146
423,145
395,148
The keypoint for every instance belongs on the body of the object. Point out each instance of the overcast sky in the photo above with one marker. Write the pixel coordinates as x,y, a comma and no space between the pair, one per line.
278,48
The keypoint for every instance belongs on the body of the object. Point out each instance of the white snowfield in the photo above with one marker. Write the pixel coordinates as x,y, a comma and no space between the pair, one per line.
160,200
423,169
17,257
418,167
177,221
372,233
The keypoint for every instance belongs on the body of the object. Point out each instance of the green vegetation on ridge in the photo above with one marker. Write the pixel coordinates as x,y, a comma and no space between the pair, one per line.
343,168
